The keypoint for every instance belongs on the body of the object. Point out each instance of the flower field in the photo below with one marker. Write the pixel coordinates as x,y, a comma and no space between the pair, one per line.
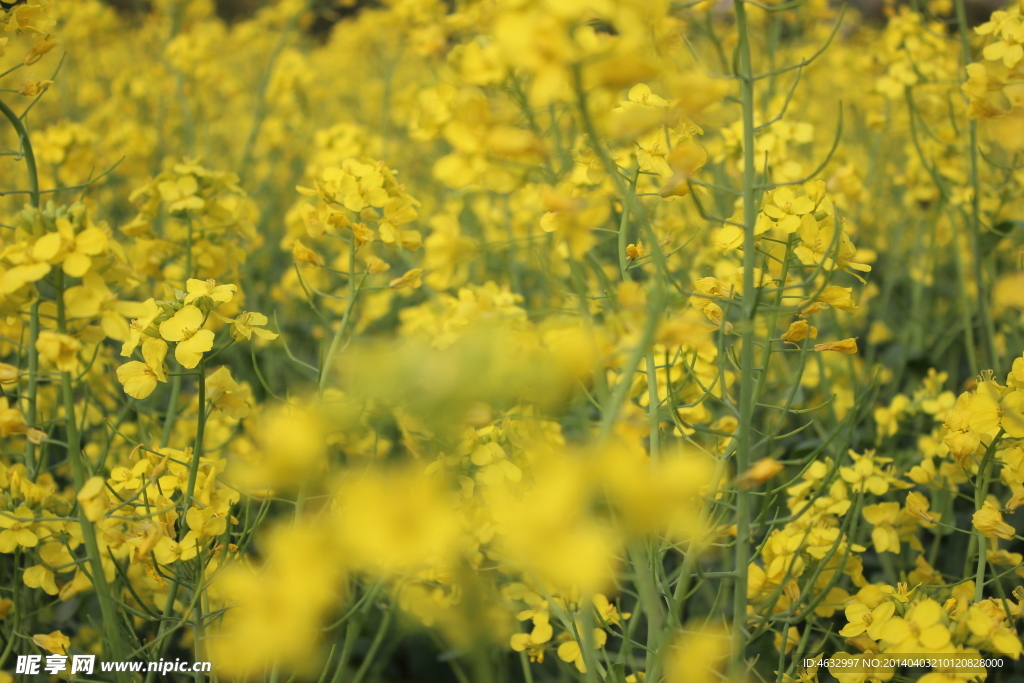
512,341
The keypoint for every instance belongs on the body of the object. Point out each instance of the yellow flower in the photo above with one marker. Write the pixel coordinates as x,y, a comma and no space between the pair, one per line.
38,576
60,349
609,612
40,47
412,278
798,331
185,328
760,472
11,419
225,393
847,346
685,160
866,620
636,251
20,275
17,529
209,289
883,517
962,445
866,474
93,498
94,299
361,184
572,219
787,209
55,642
989,629
9,374
921,630
570,651
917,507
816,238
140,379
248,323
991,409
122,478
858,668
180,193
168,551
989,521
304,254
838,297
698,655
33,88
376,265
150,312
205,523
1008,51
533,643
76,251
524,642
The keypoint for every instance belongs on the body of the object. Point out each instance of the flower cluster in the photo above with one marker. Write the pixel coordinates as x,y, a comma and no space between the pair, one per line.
605,340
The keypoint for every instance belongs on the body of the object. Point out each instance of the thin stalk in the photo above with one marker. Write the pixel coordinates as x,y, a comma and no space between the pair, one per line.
31,390
33,354
261,109
193,471
351,633
339,334
107,609
749,311
627,205
16,616
197,450
26,148
974,224
172,411
653,406
198,628
524,661
378,638
980,493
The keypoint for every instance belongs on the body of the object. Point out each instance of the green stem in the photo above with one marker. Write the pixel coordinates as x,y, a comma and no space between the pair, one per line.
198,627
980,493
78,473
339,334
261,109
524,661
627,205
378,638
16,616
31,390
188,250
165,621
654,404
351,633
26,146
33,355
172,411
749,311
974,224
197,451
193,471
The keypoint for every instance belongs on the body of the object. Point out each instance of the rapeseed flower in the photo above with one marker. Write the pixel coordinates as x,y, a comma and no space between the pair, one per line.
191,341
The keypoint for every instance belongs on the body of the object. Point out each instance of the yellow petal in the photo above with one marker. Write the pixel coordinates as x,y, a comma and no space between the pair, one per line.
91,241
77,264
47,246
